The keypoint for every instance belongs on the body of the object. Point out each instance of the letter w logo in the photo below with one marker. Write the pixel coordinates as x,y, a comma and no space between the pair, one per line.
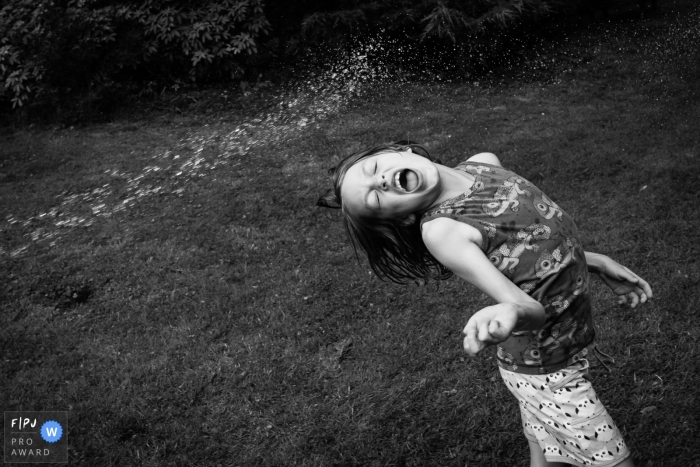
52,431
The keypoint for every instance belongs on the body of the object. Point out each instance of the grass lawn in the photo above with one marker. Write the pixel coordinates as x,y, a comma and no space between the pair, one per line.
168,280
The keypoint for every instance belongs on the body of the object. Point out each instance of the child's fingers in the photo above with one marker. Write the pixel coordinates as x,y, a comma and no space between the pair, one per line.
633,298
639,282
494,326
644,285
490,331
498,332
642,296
484,330
471,343
628,275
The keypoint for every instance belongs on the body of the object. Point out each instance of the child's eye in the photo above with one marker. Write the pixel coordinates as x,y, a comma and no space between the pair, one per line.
377,195
375,167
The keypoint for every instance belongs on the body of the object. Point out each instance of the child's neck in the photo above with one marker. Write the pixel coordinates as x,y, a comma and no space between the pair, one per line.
453,183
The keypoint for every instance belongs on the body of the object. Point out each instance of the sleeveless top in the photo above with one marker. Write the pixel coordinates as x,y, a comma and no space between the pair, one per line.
535,244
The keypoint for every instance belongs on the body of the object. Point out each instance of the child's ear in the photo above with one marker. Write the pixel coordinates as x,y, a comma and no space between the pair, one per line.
408,220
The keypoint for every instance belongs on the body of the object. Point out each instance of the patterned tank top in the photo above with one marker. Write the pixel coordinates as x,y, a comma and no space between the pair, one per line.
534,243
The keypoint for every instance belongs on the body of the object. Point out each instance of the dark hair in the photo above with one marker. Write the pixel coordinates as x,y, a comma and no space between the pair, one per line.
395,250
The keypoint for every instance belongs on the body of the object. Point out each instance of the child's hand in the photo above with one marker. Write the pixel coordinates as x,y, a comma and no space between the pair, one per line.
489,326
627,285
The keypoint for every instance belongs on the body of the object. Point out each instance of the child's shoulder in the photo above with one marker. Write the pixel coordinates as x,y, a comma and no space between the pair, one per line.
488,158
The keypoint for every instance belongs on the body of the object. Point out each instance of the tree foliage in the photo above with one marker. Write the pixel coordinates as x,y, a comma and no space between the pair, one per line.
454,21
78,46
99,51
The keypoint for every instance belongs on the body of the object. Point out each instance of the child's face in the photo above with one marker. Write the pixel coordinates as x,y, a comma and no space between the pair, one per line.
390,185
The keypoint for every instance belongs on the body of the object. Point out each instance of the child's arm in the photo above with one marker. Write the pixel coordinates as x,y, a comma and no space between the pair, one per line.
454,244
627,285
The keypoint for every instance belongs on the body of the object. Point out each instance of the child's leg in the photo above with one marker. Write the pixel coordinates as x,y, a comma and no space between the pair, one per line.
537,458
565,422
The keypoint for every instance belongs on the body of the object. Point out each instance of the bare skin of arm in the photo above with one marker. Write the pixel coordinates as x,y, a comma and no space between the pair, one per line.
455,245
628,286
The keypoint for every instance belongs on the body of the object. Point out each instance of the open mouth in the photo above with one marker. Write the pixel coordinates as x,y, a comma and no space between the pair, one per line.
406,180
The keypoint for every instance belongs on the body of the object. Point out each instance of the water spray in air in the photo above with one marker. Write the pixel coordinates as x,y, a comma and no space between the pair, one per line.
304,104
298,107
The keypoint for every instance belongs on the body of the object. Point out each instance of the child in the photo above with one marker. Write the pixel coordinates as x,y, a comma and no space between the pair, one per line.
417,219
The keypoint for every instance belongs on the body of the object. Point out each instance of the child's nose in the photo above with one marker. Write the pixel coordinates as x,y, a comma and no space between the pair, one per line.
383,184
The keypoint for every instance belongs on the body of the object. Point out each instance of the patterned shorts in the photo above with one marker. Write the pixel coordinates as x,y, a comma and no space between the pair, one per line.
562,413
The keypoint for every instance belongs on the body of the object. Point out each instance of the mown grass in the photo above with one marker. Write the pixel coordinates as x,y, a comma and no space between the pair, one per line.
228,323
